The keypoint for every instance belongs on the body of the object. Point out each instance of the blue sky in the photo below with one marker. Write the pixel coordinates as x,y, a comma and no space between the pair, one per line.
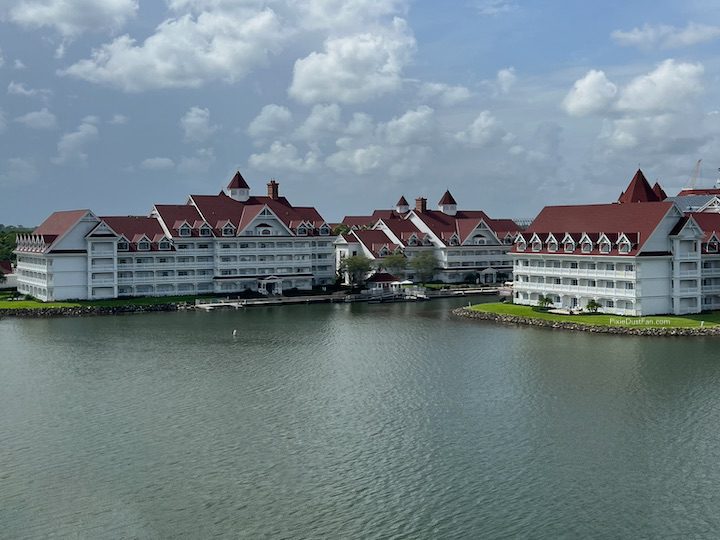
120,104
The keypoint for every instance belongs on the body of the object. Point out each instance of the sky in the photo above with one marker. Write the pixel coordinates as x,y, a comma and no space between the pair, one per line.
348,104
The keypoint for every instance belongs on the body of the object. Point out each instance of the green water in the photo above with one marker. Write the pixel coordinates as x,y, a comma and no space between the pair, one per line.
353,421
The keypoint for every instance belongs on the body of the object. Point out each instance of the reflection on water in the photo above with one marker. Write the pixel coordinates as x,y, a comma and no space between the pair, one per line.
351,421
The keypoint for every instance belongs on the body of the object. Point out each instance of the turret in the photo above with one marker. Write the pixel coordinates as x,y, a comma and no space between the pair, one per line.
238,188
447,204
402,206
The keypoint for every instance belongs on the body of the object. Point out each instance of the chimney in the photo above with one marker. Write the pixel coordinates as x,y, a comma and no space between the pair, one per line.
273,189
420,204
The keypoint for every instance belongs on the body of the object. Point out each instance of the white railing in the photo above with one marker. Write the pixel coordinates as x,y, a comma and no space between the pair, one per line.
581,272
104,281
575,289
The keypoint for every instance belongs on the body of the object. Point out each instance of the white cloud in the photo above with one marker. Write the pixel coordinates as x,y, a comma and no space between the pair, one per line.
200,163
665,36
494,7
18,64
361,124
157,164
445,94
72,17
118,119
506,79
186,52
343,14
591,94
354,68
322,120
412,127
284,156
196,125
71,146
19,89
358,160
271,120
668,87
17,172
484,130
42,119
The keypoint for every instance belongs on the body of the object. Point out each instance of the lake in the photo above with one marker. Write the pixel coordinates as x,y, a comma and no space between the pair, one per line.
353,421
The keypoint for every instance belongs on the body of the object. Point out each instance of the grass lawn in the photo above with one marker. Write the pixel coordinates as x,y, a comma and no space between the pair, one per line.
6,303
651,321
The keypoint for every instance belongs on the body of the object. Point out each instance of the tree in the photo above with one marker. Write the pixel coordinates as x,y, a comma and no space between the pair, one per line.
544,301
424,264
393,263
592,306
341,228
355,267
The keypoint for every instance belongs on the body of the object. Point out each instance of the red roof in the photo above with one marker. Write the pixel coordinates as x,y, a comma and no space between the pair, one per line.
58,223
611,219
381,277
709,222
659,191
638,190
374,241
447,198
238,182
708,191
402,201
174,215
6,267
133,228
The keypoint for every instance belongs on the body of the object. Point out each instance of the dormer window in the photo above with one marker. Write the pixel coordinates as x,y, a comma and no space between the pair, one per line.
143,245
205,231
521,246
413,241
184,231
164,245
383,252
624,247
228,231
712,247
536,246
552,246
302,231
604,247
586,247
454,241
324,230
122,245
569,247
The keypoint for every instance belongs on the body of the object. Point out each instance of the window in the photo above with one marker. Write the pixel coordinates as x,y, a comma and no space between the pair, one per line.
586,247
454,241
203,246
205,231
569,247
324,230
164,245
521,246
123,245
536,246
302,231
712,247
228,231
552,246
624,247
144,246
184,230
265,232
604,247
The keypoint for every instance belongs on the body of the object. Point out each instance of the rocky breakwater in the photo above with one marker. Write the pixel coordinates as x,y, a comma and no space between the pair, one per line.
83,311
629,330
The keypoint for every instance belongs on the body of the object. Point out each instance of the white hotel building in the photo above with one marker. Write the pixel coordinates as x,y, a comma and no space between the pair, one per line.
468,244
224,243
639,256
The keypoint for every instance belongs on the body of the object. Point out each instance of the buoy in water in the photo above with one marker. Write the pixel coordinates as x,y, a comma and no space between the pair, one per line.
234,333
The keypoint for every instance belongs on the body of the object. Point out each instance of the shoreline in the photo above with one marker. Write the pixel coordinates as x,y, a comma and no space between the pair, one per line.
84,311
467,313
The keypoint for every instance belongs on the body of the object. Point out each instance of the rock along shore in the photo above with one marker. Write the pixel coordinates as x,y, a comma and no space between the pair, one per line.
580,327
81,311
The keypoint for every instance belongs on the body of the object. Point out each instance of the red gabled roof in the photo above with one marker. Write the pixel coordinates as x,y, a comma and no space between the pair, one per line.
175,214
58,223
402,201
659,191
381,277
447,198
6,267
238,182
374,240
638,190
709,222
708,191
641,219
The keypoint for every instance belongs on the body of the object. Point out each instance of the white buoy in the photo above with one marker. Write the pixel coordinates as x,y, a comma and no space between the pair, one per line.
234,333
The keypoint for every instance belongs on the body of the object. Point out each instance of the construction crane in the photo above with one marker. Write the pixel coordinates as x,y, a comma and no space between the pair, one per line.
693,178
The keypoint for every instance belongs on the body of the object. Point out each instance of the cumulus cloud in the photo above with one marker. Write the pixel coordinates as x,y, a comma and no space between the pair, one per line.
157,164
341,14
72,17
445,94
284,156
196,125
591,94
506,79
354,68
42,119
186,52
18,64
666,87
271,120
17,172
19,89
416,126
71,146
322,120
483,131
666,37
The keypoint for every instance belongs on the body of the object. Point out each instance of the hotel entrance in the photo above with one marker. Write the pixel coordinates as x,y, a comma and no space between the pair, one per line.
271,285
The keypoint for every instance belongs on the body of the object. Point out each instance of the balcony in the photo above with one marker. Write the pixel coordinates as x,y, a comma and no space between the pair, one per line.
591,273
576,289
102,281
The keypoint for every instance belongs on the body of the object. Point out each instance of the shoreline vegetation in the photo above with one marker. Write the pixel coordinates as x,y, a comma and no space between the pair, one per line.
699,324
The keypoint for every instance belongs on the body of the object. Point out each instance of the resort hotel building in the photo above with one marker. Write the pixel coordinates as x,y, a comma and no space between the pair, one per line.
225,243
467,244
642,255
